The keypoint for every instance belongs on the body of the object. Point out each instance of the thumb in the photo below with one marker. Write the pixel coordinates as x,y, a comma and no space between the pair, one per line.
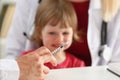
53,60
48,58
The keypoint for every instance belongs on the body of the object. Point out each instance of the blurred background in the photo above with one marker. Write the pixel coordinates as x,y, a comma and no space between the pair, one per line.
7,8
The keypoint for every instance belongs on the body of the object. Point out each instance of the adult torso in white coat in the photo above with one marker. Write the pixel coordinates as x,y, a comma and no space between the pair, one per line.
16,44
94,31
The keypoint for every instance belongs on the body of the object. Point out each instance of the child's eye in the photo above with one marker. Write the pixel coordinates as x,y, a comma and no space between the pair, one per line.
65,33
51,33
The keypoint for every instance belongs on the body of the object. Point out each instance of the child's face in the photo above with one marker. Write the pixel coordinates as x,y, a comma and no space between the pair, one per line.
54,36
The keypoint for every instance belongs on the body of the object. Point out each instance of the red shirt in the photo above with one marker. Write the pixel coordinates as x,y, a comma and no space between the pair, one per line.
80,49
70,61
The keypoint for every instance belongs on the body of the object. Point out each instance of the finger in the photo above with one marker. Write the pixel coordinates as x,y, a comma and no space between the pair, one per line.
41,68
39,72
45,56
48,58
46,70
53,61
42,71
42,51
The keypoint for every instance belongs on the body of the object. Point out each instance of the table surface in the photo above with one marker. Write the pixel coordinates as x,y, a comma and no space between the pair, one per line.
83,73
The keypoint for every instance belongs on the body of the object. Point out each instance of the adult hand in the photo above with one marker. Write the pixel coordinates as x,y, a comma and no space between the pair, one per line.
32,64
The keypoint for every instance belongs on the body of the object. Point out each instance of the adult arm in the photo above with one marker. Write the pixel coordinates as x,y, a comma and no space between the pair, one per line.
22,22
27,67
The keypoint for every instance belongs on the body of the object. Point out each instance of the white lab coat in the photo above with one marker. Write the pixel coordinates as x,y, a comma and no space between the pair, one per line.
93,35
24,18
9,69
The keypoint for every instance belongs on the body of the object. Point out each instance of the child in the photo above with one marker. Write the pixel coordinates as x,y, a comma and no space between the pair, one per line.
56,24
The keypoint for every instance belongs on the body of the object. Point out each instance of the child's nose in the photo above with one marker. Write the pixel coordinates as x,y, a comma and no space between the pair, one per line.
59,38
